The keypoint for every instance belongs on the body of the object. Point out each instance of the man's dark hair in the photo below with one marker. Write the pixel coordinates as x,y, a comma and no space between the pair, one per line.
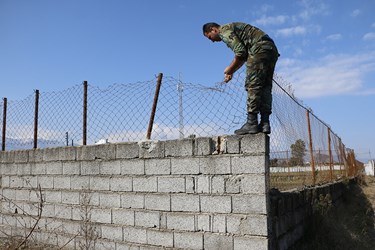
208,26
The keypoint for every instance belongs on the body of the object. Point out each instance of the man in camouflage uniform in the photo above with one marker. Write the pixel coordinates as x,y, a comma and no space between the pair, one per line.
257,49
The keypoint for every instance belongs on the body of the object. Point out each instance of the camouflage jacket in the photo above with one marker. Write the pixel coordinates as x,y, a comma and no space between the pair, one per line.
240,37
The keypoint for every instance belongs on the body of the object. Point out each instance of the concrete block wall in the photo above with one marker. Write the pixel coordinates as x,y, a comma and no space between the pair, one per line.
198,193
291,212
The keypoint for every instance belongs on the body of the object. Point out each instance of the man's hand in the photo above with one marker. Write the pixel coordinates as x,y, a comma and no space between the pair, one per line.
227,78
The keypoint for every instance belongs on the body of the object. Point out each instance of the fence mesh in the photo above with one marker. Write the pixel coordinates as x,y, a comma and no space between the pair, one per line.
303,149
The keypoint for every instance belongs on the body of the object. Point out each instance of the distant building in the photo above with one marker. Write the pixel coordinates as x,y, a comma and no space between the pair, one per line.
370,168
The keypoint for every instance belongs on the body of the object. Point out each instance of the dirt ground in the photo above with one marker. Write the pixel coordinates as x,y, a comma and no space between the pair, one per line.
351,225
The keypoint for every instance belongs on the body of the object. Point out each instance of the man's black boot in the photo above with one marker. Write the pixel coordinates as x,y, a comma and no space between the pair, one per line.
250,127
264,125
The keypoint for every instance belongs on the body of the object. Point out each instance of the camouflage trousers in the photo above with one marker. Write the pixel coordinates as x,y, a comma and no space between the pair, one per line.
260,67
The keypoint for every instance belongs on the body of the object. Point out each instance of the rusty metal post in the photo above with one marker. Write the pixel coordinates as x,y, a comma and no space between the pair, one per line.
330,155
156,97
4,124
36,117
84,113
311,147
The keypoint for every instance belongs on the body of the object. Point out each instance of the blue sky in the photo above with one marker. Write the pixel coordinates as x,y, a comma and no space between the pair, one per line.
327,49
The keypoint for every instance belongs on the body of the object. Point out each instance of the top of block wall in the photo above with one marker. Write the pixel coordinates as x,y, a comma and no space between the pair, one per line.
256,144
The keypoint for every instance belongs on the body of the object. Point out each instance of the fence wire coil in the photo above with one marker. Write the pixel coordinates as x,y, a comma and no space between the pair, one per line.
303,149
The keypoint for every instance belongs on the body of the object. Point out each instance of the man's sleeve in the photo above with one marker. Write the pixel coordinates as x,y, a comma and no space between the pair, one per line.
230,38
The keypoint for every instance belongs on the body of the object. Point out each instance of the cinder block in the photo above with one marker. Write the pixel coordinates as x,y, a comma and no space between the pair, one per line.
80,182
86,153
159,238
203,184
121,184
185,165
38,169
90,167
22,195
110,200
249,204
5,181
254,225
133,167
176,148
188,240
71,168
190,184
158,202
61,182
233,184
218,241
185,203
7,156
127,150
232,144
245,243
71,198
45,181
147,219
54,168
105,151
219,223
15,182
217,185
254,184
145,184
111,233
63,212
151,149
135,235
158,166
223,204
255,144
52,196
123,217
101,215
35,155
21,156
99,183
130,200
110,168
179,221
23,168
8,169
215,165
204,222
234,223
68,154
249,164
203,146
51,154
171,184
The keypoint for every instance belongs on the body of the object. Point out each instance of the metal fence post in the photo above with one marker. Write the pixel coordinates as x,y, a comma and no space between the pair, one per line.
84,113
36,116
330,155
4,124
151,123
311,147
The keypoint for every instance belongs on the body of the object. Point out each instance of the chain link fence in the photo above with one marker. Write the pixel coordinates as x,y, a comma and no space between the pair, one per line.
303,149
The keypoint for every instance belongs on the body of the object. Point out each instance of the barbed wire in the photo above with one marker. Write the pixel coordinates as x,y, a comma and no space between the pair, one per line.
121,112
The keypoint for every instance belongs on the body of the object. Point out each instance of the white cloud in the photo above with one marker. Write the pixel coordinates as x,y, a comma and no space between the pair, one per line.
271,20
298,30
334,37
369,36
355,13
328,76
312,8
